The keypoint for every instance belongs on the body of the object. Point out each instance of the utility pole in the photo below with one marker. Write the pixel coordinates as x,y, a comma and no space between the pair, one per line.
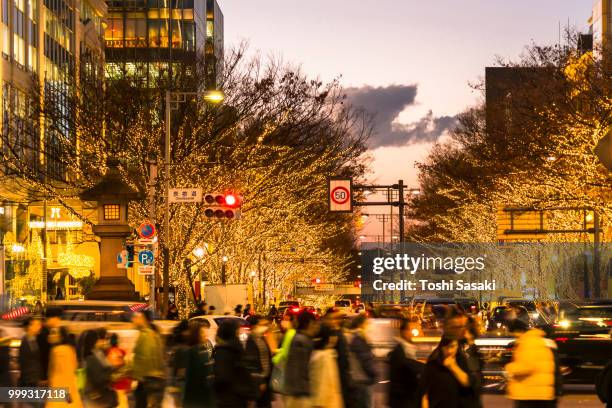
152,182
401,204
166,274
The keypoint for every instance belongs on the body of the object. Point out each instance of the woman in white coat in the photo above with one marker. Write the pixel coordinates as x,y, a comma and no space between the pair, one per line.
325,388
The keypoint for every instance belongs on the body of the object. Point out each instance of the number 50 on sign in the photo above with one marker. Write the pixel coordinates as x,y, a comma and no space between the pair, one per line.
340,195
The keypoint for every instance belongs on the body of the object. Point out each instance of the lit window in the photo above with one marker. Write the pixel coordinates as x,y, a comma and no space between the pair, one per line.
111,212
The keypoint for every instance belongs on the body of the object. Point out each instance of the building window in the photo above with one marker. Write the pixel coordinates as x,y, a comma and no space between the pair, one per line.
111,212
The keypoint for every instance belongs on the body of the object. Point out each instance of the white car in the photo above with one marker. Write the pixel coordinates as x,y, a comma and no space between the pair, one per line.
216,320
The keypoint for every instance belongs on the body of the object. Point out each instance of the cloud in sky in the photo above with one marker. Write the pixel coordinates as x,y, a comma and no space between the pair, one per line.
386,103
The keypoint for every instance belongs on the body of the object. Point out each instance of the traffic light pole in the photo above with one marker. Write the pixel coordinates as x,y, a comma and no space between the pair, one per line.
400,203
166,274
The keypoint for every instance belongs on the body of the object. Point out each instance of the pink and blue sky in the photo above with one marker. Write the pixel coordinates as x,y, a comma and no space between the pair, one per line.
409,61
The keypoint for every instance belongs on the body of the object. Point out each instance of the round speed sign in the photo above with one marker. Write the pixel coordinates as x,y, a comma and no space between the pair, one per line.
340,195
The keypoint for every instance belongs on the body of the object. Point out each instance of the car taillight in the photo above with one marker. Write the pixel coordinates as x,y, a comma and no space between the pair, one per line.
295,309
561,339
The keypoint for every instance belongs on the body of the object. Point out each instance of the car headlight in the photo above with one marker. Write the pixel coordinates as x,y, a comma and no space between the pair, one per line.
415,332
565,324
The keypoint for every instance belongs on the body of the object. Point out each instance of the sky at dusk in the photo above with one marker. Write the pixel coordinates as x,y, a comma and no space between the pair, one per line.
408,61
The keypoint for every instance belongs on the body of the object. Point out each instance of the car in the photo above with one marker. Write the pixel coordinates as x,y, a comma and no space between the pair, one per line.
292,305
344,306
529,305
583,333
216,320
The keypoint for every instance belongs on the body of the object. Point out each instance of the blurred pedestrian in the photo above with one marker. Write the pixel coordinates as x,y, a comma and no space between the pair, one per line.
247,310
287,327
474,363
333,320
238,311
325,386
198,391
273,313
603,385
52,326
361,364
296,381
149,367
200,310
258,357
444,381
30,362
63,366
233,384
5,358
38,309
212,310
404,370
531,374
98,391
173,313
178,345
121,380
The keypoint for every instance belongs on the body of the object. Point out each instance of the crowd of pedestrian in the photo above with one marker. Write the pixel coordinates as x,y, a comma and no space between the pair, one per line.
304,361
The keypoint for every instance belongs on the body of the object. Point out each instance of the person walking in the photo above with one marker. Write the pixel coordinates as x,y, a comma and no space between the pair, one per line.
98,391
121,381
258,357
149,367
51,327
173,313
474,364
333,320
361,364
325,385
63,366
404,370
198,391
30,361
233,384
297,381
444,381
531,373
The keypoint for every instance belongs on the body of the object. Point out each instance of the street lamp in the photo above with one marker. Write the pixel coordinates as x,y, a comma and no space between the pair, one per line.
211,96
199,252
214,96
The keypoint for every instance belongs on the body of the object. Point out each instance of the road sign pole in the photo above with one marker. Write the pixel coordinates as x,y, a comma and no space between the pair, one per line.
152,182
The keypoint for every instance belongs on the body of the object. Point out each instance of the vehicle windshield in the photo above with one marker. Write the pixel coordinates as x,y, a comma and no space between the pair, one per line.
288,303
241,322
343,303
530,306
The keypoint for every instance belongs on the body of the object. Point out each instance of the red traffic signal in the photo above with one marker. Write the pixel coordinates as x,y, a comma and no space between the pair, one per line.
222,206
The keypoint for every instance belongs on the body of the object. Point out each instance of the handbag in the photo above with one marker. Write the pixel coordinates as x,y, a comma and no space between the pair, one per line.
277,380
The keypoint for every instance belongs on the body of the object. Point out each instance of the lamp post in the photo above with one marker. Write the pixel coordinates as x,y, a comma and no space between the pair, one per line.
173,98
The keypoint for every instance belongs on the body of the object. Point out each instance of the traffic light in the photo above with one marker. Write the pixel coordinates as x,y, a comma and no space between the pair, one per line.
222,206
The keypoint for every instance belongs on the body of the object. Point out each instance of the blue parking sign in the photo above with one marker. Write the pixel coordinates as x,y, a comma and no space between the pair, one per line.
146,257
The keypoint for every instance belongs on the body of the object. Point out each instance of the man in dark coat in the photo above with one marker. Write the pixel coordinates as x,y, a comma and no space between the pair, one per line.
362,364
258,359
333,320
233,384
297,381
404,371
30,363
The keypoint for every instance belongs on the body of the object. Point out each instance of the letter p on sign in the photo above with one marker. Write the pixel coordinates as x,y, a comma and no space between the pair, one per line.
340,195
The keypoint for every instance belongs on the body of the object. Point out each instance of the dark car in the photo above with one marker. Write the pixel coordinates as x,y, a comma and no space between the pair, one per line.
583,337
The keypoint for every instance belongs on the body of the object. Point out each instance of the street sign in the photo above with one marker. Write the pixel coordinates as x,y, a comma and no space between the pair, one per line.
322,287
146,269
122,259
340,195
146,257
185,195
146,230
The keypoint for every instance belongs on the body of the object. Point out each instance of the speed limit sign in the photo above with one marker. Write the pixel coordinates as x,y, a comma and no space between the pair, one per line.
340,195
